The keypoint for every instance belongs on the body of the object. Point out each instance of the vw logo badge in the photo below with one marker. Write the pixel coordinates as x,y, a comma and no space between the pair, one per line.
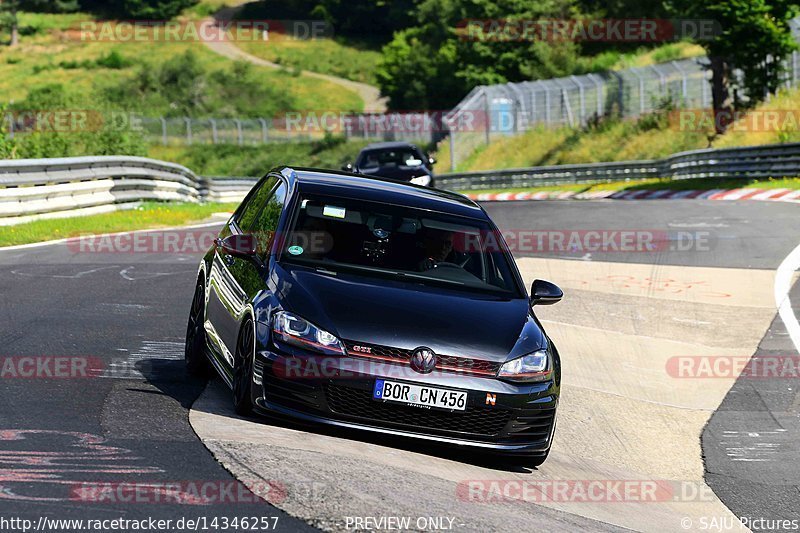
423,360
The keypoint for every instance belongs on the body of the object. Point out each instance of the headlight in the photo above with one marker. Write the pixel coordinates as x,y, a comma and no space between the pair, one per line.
292,329
529,368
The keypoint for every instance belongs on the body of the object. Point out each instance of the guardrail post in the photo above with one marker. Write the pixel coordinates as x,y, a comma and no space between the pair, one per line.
164,131
547,110
239,132
488,117
582,99
641,92
10,118
188,130
684,82
452,151
214,134
599,88
264,131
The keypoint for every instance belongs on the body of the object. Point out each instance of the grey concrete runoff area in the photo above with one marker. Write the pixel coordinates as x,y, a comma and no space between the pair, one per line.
636,411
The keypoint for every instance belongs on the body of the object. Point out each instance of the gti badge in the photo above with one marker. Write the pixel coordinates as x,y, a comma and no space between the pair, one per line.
423,360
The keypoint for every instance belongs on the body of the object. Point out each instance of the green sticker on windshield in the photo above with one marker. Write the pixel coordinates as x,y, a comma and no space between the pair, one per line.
295,250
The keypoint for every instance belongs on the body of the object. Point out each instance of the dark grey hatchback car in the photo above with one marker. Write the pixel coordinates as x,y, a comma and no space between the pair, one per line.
372,304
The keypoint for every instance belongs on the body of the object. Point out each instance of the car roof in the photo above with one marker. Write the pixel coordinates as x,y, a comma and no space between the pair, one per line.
385,190
389,145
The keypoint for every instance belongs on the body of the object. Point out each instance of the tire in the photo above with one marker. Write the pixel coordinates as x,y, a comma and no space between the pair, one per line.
243,370
197,363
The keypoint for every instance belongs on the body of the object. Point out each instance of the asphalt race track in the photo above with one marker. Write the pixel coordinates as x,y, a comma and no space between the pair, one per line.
703,288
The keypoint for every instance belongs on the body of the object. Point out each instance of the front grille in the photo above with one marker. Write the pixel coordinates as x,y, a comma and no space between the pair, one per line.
446,363
358,403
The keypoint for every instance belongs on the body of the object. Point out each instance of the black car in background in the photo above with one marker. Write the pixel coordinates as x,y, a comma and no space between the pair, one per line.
376,305
396,160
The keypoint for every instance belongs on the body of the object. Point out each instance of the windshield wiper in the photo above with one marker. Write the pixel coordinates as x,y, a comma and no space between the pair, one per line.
420,276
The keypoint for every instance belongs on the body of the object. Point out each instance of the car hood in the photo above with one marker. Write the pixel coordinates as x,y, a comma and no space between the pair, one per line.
397,173
404,315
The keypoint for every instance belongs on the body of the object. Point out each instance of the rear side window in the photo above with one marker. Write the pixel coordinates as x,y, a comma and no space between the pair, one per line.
248,212
266,223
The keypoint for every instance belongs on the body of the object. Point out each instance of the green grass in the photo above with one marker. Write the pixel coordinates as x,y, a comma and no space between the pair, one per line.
699,184
148,215
57,39
335,57
206,8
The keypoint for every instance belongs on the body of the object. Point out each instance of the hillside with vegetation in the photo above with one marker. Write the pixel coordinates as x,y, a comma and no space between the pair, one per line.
651,136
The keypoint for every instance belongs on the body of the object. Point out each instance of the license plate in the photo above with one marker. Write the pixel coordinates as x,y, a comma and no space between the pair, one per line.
419,395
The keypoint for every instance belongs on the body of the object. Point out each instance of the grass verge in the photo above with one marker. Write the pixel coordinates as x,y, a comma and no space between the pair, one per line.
148,216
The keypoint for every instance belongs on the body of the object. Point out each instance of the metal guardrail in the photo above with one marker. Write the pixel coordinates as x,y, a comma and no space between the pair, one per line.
768,161
51,188
226,189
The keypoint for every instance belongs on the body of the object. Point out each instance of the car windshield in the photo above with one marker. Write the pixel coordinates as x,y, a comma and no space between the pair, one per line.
404,243
400,157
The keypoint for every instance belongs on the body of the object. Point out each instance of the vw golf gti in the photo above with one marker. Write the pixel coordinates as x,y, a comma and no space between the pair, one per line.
373,304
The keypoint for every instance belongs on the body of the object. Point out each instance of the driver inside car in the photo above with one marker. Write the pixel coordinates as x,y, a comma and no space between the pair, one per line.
437,245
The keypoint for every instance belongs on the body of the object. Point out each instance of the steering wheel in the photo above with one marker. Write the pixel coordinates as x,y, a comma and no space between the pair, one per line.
447,264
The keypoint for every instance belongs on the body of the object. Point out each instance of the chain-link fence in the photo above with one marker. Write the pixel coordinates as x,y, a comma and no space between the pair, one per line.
496,111
417,127
411,127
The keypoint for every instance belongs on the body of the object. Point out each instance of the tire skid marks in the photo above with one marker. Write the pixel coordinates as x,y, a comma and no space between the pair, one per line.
141,363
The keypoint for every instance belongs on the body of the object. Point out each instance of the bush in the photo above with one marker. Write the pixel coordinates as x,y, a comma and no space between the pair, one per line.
113,60
104,133
139,9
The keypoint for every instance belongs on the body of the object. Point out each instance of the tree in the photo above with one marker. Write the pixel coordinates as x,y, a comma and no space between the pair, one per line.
155,9
436,62
9,10
755,37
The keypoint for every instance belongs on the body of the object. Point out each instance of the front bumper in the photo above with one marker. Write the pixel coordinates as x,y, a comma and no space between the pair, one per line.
500,417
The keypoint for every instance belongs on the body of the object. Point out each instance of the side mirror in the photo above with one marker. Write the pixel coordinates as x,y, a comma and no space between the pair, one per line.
348,167
244,245
545,293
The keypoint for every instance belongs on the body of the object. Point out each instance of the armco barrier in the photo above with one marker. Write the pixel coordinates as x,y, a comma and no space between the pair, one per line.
768,161
50,188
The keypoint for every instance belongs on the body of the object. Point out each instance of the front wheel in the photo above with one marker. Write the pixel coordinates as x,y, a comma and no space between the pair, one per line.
197,363
243,371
